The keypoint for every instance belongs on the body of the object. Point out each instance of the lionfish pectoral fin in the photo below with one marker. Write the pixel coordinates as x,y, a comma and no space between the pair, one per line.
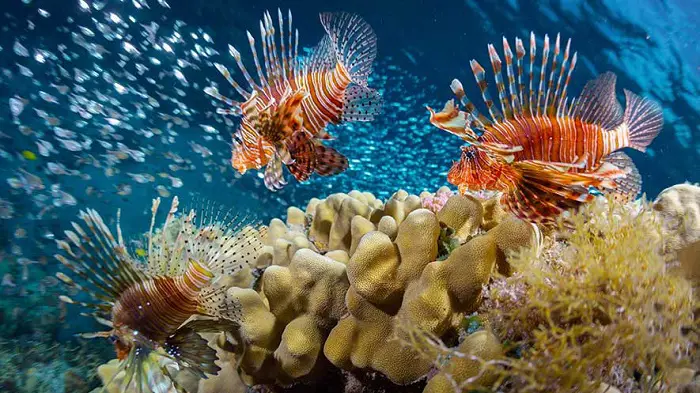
580,162
143,370
501,148
274,177
608,170
192,351
284,155
544,190
452,120
361,104
301,149
628,186
329,161
94,335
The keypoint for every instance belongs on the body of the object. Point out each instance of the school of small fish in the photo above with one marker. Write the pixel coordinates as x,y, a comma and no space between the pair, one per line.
105,108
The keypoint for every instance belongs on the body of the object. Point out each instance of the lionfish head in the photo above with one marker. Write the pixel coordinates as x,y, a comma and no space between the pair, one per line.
477,170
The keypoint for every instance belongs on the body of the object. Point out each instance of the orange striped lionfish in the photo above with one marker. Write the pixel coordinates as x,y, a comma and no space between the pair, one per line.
544,152
285,113
148,306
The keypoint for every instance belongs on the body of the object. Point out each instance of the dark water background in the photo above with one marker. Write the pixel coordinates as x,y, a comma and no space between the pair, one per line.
652,46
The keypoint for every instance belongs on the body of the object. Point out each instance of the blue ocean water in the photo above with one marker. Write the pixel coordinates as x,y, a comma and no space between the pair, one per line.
116,89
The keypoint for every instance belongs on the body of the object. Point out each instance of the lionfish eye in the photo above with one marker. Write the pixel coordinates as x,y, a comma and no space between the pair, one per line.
469,154
113,338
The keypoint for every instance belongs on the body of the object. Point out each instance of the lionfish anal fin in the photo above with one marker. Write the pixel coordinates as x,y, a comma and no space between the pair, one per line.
627,186
301,149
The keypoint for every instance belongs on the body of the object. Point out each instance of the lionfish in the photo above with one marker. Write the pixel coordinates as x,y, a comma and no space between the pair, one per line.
544,152
154,309
285,113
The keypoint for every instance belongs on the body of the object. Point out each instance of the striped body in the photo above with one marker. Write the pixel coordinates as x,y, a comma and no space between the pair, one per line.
323,95
557,139
157,307
285,112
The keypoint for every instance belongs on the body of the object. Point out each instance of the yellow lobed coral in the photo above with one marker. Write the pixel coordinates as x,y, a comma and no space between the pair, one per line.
400,279
332,217
345,270
283,327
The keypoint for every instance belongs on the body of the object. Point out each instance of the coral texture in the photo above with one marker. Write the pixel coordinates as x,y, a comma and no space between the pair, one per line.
345,271
599,310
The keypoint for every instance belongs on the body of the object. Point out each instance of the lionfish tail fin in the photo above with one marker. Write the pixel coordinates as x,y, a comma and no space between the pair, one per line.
353,42
545,190
329,161
361,104
644,120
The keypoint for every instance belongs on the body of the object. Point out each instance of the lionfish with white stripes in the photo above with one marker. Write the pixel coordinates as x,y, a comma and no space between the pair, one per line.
544,152
154,307
286,111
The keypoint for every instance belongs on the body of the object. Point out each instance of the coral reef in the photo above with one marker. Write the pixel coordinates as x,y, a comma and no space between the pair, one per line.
679,208
600,310
283,341
345,272
459,296
403,280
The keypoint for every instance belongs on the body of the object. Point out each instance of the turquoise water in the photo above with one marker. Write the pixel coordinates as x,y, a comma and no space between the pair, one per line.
115,88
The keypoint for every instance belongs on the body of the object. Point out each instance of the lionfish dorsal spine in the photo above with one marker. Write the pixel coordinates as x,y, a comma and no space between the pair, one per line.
237,57
512,88
546,96
562,99
227,75
497,65
531,74
474,117
520,53
480,76
564,63
548,99
543,70
256,60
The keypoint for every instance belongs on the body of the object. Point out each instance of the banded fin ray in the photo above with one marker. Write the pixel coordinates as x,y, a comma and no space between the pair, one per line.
544,191
301,149
188,348
597,103
353,42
